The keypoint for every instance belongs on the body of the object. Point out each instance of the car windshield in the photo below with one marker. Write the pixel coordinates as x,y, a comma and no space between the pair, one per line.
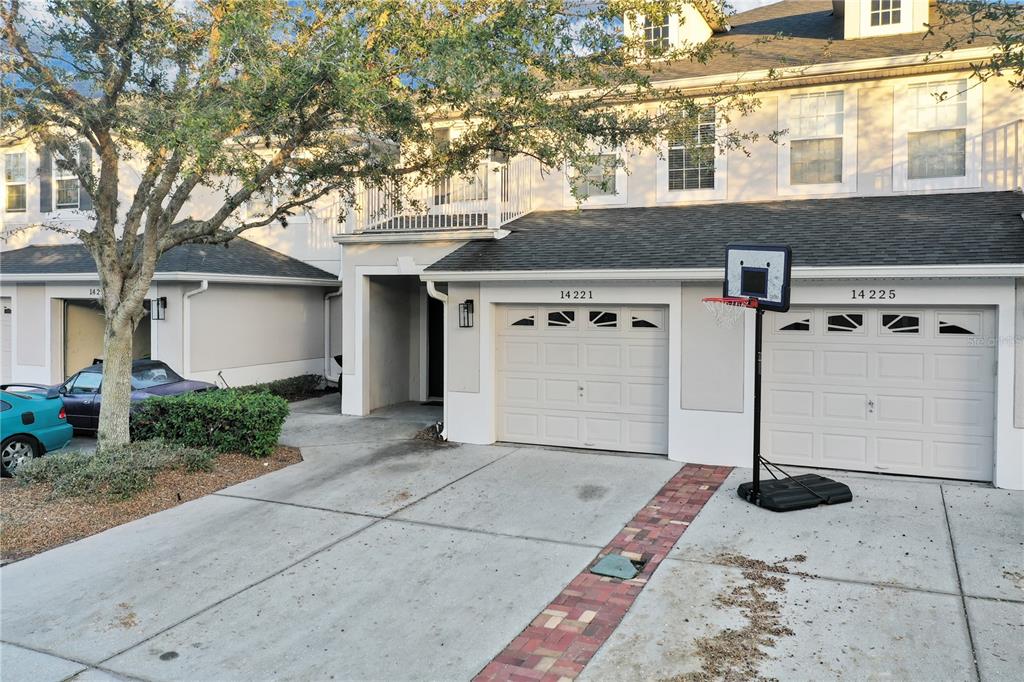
153,375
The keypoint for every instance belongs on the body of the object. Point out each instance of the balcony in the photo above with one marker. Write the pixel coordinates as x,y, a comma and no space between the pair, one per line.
475,205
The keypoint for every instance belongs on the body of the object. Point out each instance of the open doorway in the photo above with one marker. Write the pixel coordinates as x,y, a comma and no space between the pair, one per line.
83,335
435,349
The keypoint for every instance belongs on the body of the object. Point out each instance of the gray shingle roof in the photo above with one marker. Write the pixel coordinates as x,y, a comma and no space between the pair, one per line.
813,36
936,229
240,257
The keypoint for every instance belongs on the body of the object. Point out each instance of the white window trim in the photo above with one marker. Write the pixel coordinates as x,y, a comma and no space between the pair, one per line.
849,182
25,183
57,174
901,129
664,195
638,30
905,25
617,199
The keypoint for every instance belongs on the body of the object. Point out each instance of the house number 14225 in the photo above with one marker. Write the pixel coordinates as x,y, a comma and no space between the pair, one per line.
873,294
577,294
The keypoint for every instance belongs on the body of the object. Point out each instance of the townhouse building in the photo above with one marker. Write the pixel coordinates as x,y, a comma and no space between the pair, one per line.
892,172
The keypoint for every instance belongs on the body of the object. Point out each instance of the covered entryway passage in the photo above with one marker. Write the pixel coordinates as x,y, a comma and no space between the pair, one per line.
583,376
884,389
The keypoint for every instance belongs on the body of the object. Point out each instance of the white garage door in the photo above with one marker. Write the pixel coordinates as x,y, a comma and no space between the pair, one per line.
583,376
907,391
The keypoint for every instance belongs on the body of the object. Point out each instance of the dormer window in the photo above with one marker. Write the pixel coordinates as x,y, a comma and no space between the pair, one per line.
885,12
656,34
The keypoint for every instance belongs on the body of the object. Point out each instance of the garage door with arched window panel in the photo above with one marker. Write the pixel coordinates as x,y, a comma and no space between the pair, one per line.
583,376
883,389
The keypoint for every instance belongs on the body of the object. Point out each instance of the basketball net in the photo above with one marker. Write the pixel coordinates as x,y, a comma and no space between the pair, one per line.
728,311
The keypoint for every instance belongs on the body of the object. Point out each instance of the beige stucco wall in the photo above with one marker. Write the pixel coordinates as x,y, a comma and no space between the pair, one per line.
713,357
1018,340
463,344
235,325
30,324
752,173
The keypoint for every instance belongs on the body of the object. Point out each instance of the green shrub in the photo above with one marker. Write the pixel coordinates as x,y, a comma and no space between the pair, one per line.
118,472
225,420
291,389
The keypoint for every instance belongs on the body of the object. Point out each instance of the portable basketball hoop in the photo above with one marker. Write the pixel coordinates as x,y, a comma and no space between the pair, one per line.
728,310
757,277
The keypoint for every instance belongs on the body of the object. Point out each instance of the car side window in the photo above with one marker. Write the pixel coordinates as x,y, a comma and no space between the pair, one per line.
4,406
86,383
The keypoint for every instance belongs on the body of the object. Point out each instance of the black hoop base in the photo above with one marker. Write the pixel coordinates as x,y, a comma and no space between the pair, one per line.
799,492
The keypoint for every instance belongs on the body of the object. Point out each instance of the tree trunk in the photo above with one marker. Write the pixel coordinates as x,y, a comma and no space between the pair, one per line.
117,387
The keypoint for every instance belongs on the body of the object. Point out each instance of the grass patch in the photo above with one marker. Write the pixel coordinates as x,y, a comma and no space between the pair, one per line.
113,472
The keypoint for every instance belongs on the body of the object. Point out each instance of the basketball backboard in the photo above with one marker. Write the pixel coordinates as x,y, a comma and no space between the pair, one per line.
760,272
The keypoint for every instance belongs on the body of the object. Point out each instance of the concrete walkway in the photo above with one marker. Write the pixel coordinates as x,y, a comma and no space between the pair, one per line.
914,580
378,557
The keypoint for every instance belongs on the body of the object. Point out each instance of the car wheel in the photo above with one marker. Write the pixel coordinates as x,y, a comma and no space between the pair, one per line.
15,451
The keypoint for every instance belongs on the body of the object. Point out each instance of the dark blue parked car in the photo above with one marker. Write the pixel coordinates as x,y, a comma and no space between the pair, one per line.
83,391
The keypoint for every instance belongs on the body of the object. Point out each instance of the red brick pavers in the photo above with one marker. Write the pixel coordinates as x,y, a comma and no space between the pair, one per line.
563,638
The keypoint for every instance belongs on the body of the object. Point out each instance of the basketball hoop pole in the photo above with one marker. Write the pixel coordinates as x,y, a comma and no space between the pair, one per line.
755,489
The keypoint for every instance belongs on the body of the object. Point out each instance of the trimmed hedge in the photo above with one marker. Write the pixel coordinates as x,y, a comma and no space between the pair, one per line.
118,473
226,420
291,389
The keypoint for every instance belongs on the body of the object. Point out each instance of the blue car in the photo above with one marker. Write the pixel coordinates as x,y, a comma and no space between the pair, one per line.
32,422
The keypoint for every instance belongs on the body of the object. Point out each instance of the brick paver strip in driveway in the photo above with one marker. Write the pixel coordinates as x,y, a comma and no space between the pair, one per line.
560,641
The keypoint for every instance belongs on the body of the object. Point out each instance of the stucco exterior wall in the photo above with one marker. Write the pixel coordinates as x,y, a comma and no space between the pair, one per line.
463,342
30,315
753,174
307,238
1018,349
235,327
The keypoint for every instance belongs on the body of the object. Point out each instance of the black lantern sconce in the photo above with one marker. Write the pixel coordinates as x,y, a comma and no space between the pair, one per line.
158,309
466,314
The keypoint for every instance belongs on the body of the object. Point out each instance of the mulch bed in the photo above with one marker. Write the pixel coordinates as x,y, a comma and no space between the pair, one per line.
31,522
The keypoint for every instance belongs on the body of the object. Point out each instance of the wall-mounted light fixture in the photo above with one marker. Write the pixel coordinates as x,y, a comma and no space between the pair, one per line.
158,309
466,314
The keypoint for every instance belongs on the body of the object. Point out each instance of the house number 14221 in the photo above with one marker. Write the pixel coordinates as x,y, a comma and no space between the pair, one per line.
873,294
577,294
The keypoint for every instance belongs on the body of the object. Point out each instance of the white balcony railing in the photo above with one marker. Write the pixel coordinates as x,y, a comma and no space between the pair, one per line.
494,195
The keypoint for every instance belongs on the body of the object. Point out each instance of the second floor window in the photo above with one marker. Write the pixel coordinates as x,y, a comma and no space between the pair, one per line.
937,130
15,182
66,184
885,12
656,33
691,157
599,179
816,138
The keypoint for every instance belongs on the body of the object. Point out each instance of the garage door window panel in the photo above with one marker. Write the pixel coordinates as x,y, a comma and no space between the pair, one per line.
562,318
901,323
962,324
647,319
846,323
604,319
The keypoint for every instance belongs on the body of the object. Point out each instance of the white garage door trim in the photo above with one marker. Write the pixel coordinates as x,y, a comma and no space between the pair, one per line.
583,376
882,389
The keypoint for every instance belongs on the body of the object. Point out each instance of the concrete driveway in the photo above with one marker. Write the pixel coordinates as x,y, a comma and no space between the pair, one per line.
378,557
913,580
382,557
